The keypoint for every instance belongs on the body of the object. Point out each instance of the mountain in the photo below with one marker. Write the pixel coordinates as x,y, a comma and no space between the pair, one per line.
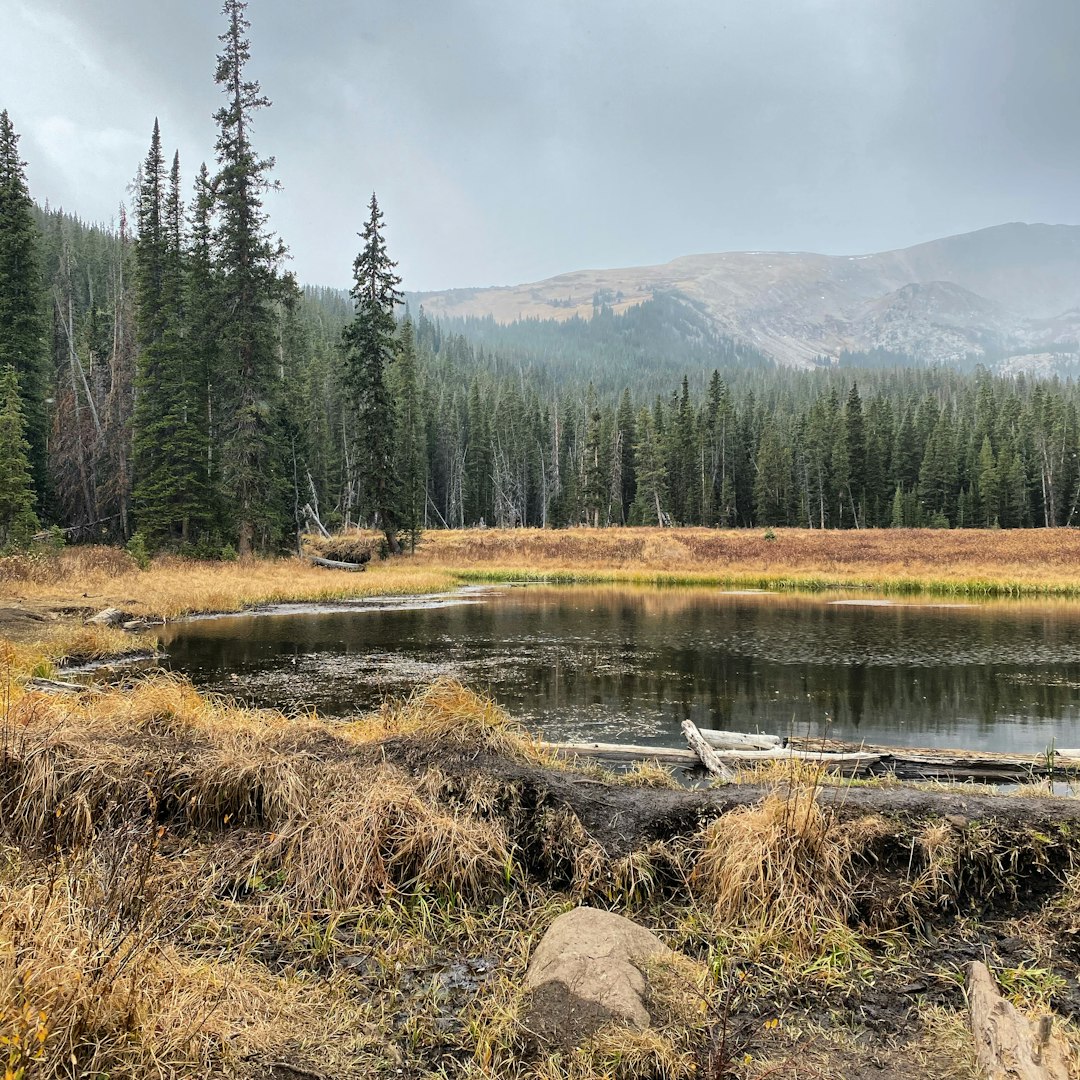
997,295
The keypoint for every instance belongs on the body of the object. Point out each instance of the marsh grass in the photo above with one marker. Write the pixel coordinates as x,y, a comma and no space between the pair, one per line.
87,579
778,870
967,562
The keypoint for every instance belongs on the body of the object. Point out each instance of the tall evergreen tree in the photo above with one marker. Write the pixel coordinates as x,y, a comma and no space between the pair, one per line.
855,448
369,349
248,258
18,521
169,444
23,344
411,435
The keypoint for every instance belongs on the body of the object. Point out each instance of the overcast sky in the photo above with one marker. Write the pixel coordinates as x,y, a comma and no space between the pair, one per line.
509,140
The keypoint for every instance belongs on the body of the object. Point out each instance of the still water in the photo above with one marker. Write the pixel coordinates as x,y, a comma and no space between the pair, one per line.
619,664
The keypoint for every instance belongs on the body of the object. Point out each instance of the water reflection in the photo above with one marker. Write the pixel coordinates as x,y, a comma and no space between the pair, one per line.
630,663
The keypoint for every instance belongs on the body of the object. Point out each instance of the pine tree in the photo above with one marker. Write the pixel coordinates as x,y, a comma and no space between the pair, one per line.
202,347
23,342
650,502
369,349
248,257
168,445
855,447
18,522
411,435
595,474
625,462
772,482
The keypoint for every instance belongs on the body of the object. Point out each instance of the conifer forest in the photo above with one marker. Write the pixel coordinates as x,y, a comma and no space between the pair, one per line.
168,381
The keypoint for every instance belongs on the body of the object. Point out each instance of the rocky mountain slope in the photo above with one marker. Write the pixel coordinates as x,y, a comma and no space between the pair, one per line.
1001,294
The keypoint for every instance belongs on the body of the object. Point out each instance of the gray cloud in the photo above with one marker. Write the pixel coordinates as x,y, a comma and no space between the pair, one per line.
508,142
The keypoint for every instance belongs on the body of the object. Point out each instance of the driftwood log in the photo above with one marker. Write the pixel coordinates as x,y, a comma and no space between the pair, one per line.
710,758
738,740
1008,1046
58,686
335,564
720,742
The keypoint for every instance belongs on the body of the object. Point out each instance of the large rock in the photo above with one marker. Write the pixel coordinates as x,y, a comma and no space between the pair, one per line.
589,971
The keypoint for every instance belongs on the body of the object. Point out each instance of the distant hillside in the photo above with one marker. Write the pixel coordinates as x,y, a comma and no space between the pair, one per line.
995,296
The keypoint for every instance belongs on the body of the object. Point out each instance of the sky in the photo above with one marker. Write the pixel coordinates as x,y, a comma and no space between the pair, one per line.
509,141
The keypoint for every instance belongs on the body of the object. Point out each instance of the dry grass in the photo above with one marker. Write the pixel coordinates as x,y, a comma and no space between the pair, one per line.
85,579
90,984
446,711
779,870
960,561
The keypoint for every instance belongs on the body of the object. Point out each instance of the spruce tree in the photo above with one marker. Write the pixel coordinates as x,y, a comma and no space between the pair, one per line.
23,339
248,257
18,522
411,435
369,349
626,435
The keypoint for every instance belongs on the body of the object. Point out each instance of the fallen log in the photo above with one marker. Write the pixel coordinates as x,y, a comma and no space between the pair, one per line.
859,759
1008,1046
710,758
627,752
334,564
738,740
918,763
57,686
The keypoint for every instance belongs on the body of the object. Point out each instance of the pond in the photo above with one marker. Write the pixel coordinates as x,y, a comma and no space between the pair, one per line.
617,664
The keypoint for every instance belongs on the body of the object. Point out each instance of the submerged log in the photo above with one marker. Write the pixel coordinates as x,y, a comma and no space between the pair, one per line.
1008,1046
334,564
710,758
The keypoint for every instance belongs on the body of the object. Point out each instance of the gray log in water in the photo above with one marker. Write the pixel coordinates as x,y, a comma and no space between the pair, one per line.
738,740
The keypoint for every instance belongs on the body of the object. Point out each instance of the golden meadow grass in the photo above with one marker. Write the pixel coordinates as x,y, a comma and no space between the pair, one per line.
969,562
959,561
92,578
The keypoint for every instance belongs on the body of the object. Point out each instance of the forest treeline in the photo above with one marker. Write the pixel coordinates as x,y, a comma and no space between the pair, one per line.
167,380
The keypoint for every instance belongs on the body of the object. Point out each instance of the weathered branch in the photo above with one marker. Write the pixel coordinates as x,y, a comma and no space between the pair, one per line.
1008,1046
710,758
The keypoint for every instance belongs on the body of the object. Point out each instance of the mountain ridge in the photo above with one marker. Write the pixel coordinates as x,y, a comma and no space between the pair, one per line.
1003,291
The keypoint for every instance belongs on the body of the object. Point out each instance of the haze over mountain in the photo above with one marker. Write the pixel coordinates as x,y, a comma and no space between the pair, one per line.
1007,295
